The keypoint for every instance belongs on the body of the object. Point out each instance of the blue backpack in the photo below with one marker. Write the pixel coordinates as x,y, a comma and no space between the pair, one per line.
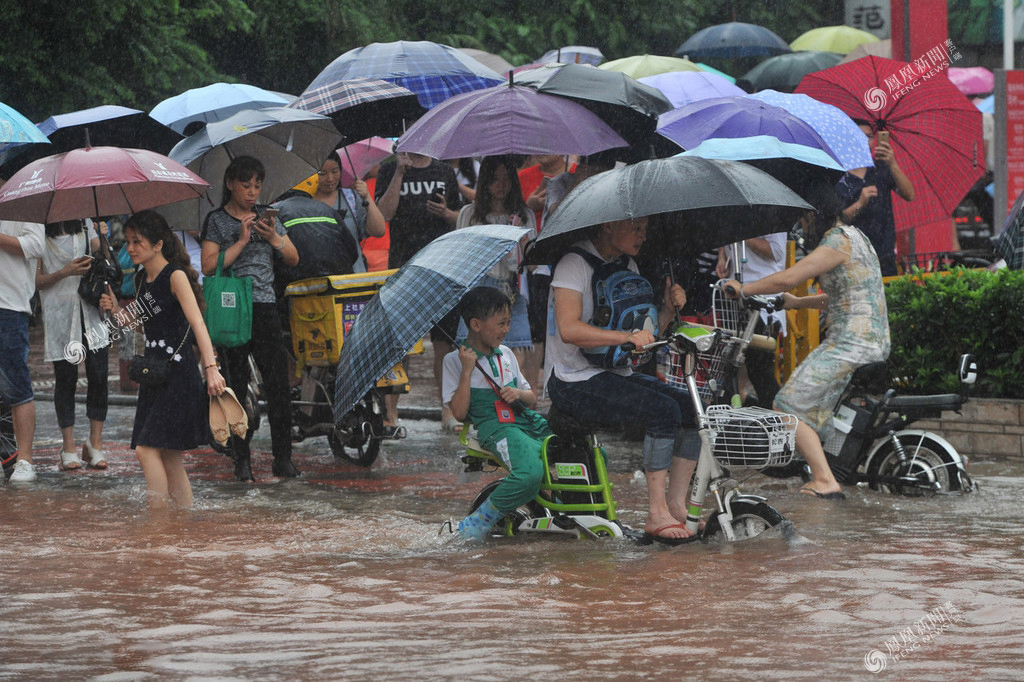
623,301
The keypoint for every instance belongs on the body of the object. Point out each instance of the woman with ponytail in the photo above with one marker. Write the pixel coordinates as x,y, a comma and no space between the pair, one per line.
173,417
846,266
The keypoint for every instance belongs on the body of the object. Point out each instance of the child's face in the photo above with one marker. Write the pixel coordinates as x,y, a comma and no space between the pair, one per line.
491,331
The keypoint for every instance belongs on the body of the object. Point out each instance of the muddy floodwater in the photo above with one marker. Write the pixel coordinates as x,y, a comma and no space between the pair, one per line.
341,575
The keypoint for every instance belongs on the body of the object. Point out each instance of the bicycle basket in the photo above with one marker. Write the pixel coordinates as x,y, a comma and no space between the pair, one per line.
709,374
751,437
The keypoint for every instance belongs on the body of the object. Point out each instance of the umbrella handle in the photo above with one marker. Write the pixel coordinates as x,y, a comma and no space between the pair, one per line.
366,202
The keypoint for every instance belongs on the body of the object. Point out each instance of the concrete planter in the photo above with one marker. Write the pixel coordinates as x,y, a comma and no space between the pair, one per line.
987,428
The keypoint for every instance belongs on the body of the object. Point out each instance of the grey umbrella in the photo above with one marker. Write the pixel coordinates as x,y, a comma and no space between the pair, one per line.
707,203
291,143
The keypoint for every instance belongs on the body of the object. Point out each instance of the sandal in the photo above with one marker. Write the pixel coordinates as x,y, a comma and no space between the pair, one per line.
95,457
656,536
70,460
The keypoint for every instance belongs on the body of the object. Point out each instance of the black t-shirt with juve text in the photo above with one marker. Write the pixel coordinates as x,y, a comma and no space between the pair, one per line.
413,226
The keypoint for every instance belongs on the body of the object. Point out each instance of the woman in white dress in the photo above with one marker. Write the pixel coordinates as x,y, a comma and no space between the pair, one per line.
73,333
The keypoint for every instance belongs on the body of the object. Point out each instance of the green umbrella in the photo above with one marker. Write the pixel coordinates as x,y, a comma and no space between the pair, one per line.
642,65
841,39
711,69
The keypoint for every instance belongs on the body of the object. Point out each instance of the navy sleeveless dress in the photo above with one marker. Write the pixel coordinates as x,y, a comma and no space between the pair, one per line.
174,416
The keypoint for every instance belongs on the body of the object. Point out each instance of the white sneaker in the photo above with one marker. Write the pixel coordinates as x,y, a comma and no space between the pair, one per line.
23,472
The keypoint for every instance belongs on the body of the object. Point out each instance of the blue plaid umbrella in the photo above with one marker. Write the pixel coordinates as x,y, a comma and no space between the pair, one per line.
434,72
1010,244
412,301
363,107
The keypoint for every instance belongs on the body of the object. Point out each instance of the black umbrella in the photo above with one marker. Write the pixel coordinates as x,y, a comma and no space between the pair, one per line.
104,126
707,203
628,106
784,72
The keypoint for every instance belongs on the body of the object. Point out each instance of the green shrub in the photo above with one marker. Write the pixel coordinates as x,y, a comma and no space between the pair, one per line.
933,320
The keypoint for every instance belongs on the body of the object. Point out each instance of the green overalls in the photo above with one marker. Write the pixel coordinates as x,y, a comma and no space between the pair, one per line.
516,438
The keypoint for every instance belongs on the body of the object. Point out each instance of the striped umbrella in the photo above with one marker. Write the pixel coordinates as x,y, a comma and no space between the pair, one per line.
413,300
363,107
434,72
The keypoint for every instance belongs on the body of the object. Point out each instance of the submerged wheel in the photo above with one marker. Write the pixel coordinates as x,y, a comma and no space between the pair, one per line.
509,525
8,445
928,463
750,519
361,423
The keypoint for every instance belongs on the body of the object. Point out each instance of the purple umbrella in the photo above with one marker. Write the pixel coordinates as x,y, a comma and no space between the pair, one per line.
690,125
683,87
508,119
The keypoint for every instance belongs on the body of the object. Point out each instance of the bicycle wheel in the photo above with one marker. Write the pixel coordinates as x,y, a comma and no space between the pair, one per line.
8,445
364,420
928,463
749,519
509,525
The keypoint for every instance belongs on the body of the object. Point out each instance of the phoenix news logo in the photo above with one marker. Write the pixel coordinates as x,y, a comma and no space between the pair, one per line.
931,64
911,638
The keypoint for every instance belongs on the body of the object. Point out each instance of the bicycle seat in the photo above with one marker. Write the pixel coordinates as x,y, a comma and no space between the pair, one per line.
873,378
927,404
568,426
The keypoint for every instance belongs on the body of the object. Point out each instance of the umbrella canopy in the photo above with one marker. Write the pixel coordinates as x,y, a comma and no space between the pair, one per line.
1010,244
15,128
495,63
734,39
434,72
95,182
16,131
412,300
837,129
794,165
628,106
684,87
936,133
291,143
841,39
717,72
213,102
690,125
573,54
785,71
508,119
104,126
359,157
642,65
363,107
712,203
973,80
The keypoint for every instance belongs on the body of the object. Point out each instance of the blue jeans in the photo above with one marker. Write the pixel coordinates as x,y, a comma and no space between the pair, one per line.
613,399
15,380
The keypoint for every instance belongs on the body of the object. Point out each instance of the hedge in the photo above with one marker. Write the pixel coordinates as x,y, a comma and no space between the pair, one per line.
933,320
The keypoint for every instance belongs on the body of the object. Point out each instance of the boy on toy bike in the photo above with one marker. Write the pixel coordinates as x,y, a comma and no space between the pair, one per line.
481,381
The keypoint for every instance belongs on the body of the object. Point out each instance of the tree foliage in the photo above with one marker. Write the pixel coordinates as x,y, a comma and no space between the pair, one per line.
65,56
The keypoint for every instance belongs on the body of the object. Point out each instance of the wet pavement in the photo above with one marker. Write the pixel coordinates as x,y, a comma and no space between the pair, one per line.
341,575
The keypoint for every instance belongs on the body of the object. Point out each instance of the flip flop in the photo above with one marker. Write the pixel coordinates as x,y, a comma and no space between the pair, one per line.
836,495
649,538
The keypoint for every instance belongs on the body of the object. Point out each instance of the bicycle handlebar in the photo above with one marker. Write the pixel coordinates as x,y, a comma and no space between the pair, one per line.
755,301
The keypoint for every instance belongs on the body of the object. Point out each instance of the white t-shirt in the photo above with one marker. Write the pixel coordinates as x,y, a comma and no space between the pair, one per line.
566,360
758,267
18,273
508,369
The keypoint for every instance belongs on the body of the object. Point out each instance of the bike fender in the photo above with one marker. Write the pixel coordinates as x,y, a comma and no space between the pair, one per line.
939,440
742,497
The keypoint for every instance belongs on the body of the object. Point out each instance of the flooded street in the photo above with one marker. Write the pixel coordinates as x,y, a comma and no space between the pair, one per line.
341,575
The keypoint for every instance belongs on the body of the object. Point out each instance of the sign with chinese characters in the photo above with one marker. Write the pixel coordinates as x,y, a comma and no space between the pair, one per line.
869,15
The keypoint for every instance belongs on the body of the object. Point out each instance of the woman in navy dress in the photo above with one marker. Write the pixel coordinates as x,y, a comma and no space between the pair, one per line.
169,418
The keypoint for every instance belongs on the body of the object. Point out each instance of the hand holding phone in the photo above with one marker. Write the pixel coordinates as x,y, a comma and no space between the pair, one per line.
269,214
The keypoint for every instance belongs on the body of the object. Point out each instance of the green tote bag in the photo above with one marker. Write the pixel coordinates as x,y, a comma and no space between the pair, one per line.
228,307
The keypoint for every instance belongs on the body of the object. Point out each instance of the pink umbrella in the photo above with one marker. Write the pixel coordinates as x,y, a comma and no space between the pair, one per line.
973,80
359,157
94,182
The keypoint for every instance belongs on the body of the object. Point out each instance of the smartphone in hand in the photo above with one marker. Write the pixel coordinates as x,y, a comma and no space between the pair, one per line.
883,136
270,213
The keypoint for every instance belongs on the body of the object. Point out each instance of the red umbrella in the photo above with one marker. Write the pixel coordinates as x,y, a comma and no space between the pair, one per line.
935,131
94,182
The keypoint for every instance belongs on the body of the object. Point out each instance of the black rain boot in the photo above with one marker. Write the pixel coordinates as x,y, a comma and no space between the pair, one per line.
283,467
242,456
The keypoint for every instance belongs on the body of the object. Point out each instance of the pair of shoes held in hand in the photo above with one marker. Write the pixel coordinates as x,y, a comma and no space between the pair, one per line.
227,416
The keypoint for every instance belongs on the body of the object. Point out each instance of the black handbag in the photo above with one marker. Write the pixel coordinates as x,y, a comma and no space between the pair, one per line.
153,372
102,272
